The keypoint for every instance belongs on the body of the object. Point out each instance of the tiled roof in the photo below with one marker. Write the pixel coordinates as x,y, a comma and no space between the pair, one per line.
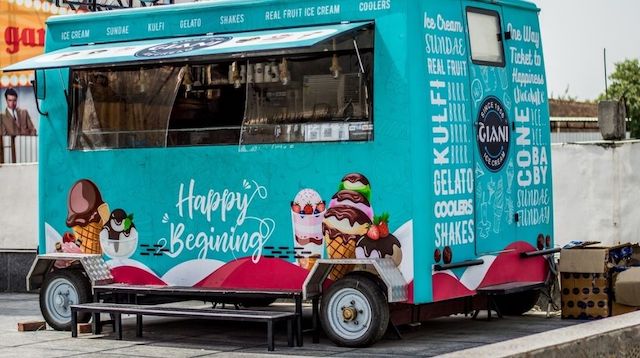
565,108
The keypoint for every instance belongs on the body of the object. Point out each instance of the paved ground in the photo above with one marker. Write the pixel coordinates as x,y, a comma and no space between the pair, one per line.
195,338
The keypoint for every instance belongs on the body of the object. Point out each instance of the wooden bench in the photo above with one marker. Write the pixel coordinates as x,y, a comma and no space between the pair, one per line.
206,294
505,289
117,310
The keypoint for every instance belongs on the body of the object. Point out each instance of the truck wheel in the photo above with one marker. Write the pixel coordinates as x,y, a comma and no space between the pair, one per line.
60,290
516,304
355,312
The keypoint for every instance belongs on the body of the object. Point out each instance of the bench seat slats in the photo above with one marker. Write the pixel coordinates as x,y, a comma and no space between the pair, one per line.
246,315
269,317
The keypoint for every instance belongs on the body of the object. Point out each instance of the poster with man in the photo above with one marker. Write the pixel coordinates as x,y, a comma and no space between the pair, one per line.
22,35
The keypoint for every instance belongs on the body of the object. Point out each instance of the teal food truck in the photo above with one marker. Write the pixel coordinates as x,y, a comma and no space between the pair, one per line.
388,160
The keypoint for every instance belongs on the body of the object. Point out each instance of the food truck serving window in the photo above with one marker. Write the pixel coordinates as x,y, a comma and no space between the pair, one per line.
485,37
313,94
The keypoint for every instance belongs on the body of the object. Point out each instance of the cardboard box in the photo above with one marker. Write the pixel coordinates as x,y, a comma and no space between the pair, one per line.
618,309
585,282
584,295
626,287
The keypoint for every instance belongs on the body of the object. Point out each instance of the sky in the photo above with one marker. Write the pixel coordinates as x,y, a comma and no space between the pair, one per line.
574,36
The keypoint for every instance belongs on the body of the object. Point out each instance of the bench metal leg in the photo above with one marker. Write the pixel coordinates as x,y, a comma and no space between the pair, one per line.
96,325
290,332
270,344
74,323
298,299
315,318
139,325
113,322
118,325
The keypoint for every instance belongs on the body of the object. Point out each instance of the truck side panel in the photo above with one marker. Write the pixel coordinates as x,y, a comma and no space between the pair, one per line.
479,215
451,233
221,216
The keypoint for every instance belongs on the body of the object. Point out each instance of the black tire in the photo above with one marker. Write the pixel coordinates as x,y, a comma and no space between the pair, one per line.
61,289
363,298
257,302
516,304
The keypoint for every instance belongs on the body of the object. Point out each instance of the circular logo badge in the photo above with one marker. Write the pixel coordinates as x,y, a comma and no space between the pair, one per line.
182,46
493,134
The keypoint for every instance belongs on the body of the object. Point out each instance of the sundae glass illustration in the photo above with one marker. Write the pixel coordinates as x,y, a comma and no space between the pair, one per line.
307,213
119,236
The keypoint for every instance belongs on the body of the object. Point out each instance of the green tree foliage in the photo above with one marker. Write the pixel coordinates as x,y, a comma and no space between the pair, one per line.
625,81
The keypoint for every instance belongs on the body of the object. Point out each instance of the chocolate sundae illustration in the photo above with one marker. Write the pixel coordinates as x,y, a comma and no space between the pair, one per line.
379,242
307,213
119,236
87,213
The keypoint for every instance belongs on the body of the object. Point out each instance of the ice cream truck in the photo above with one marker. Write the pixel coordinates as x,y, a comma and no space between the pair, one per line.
387,160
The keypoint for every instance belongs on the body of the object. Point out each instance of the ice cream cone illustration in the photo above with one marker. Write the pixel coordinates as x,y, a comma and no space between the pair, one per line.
340,250
358,183
343,226
352,198
87,213
89,237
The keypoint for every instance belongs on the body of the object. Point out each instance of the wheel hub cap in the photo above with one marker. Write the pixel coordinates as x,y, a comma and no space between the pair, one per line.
63,300
349,314
60,295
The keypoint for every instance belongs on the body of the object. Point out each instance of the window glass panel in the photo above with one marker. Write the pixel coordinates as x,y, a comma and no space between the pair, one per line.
316,104
322,93
484,36
122,108
209,107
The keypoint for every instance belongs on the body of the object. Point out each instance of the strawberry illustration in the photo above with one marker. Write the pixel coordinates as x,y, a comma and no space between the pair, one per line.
382,222
384,229
308,209
295,208
374,232
68,237
320,207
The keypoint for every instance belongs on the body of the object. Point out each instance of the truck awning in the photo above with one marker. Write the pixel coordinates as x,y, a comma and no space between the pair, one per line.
184,48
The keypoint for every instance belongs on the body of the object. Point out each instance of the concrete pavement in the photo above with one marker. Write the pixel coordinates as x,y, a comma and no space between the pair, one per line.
198,338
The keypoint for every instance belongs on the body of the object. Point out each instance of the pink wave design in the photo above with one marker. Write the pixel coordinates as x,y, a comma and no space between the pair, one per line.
446,286
267,274
506,267
135,276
